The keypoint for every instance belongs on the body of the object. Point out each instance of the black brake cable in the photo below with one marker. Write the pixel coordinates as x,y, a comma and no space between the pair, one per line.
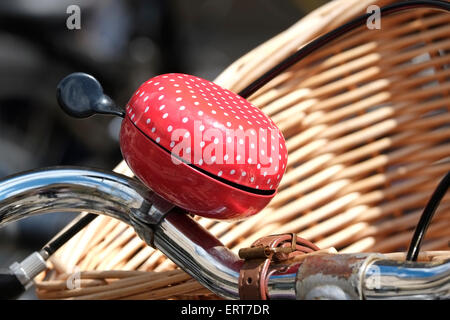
75,226
426,217
334,34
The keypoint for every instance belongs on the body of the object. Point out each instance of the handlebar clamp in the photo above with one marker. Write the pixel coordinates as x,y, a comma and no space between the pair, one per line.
257,259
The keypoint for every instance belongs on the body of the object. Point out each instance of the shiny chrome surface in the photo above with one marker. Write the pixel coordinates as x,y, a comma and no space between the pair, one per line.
67,189
207,260
200,254
281,286
387,279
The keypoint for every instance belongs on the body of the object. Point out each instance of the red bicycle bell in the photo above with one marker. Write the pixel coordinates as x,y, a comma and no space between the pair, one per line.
199,146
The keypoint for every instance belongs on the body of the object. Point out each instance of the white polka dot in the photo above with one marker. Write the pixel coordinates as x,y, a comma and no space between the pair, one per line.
162,107
169,128
229,140
165,115
213,158
187,134
184,120
241,127
238,157
232,171
249,160
172,144
148,120
258,166
225,157
265,173
252,179
200,162
146,109
241,141
216,141
161,97
178,99
161,88
213,111
268,181
252,146
196,103
182,108
220,173
153,129
244,173
202,127
202,144
271,186
200,113
188,150
158,139
262,152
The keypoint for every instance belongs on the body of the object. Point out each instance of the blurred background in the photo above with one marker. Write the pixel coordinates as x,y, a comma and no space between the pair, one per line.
122,43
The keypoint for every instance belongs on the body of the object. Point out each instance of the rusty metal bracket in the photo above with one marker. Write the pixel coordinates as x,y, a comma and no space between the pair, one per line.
258,257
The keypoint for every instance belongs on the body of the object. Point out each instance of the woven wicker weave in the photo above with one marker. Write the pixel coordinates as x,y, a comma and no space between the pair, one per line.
367,126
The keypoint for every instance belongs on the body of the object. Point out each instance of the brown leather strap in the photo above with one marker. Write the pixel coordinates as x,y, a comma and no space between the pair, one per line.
250,287
253,274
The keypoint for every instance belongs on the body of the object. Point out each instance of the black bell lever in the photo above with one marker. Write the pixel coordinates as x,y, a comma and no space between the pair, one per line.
80,95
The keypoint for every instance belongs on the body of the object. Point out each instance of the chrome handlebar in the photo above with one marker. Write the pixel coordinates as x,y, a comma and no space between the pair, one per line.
200,254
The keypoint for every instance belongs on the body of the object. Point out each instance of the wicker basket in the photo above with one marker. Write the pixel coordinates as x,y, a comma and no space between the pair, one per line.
366,121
